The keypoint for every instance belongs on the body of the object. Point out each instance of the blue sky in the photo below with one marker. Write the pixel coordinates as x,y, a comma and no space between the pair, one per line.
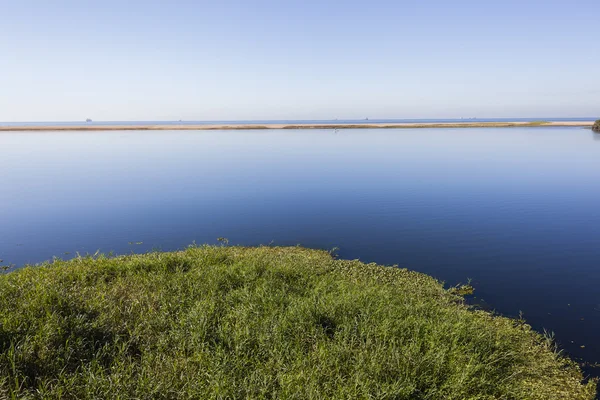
220,60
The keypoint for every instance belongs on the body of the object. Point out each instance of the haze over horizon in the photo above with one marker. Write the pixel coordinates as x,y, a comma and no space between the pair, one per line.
197,60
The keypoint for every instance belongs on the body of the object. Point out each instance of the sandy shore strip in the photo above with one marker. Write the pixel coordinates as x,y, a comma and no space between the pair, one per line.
125,127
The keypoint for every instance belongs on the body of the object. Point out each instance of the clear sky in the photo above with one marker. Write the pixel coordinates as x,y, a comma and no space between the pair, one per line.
66,60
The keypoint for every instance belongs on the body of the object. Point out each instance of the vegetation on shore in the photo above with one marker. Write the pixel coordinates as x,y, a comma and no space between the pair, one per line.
186,127
266,322
596,126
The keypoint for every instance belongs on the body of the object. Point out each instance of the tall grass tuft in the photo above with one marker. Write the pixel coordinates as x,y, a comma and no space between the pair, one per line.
267,322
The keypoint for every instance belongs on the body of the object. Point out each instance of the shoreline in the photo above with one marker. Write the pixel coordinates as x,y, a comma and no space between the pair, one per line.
269,313
149,127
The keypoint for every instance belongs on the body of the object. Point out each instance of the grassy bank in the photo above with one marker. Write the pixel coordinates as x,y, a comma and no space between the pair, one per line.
231,322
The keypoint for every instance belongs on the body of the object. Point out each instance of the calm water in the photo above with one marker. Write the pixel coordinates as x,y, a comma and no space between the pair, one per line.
515,210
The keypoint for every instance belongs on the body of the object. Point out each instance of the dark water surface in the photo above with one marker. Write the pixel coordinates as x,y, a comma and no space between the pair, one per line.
516,210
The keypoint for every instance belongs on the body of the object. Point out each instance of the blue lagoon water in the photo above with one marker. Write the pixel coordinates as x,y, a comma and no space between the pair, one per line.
515,210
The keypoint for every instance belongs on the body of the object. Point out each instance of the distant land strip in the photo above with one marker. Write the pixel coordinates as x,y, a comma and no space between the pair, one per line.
149,127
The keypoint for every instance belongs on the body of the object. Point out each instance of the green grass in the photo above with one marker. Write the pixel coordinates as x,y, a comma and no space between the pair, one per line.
261,323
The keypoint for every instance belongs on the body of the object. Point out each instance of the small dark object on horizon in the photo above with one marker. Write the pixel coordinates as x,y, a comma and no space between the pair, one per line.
596,126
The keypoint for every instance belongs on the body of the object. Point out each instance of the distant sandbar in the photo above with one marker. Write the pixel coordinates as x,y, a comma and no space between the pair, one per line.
182,127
